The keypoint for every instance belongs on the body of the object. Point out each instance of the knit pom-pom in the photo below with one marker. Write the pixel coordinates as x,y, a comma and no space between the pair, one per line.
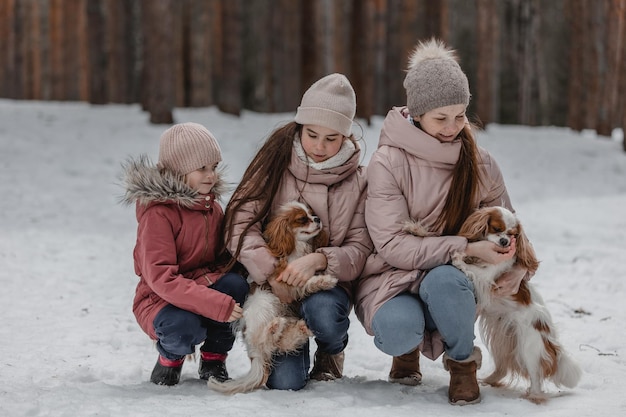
430,49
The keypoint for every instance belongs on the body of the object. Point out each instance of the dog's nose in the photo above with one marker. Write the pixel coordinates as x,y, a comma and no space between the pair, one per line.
504,242
316,219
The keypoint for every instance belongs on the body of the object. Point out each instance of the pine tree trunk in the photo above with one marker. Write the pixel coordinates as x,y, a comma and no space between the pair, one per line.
527,70
575,89
20,49
35,50
199,54
488,56
72,69
96,52
286,56
159,66
120,50
363,41
229,98
57,86
593,64
383,90
610,117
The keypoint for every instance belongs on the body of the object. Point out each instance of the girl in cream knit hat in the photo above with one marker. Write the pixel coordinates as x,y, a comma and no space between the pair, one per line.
315,160
183,297
429,168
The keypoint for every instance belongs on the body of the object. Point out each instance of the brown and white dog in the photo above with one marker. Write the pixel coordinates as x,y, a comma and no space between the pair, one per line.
269,326
517,329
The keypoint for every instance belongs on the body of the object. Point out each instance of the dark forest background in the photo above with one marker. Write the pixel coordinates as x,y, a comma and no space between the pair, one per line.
530,62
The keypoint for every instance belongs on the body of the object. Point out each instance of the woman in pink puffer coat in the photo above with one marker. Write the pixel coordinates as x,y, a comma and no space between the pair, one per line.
314,159
428,168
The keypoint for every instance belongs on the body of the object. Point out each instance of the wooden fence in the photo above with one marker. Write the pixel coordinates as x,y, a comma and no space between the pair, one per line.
532,62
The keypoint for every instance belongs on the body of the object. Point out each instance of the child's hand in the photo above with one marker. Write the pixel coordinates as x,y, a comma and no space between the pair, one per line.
236,314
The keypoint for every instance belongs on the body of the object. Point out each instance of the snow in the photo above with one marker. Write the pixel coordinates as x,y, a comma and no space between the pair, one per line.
69,344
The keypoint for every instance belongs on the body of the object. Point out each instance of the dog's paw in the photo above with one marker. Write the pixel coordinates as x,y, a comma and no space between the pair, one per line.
536,397
416,228
304,329
294,335
318,283
322,282
276,327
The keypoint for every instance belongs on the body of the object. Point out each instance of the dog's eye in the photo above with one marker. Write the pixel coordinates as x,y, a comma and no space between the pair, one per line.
302,220
497,230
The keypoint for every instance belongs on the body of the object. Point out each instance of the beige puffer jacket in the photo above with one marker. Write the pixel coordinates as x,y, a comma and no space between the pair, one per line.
337,196
408,177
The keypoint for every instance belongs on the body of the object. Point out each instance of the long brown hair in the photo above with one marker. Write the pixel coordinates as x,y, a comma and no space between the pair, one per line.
261,180
464,189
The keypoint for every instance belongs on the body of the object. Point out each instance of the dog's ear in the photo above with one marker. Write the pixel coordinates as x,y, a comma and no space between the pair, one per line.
475,227
524,251
321,240
279,237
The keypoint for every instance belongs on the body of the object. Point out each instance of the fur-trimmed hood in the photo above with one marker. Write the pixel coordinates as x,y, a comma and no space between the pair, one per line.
145,184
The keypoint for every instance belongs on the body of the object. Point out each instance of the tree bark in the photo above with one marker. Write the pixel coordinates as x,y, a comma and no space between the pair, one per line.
121,50
594,64
159,68
230,88
609,114
575,89
97,64
488,56
363,41
199,54
285,57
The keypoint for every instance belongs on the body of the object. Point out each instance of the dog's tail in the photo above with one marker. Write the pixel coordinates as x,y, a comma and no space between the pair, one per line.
568,372
255,378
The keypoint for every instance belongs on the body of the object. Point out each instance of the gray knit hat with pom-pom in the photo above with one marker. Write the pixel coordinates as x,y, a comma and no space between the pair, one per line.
434,78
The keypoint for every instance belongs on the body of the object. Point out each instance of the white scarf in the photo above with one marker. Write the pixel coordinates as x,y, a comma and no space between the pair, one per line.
345,152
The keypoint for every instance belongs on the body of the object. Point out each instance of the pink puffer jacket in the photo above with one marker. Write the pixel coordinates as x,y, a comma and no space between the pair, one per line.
408,177
337,196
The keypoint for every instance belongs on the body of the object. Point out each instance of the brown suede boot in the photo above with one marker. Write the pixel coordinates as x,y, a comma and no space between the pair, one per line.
463,384
327,367
405,369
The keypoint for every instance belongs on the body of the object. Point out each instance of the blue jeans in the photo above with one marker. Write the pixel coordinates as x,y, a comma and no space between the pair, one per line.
326,315
445,303
179,331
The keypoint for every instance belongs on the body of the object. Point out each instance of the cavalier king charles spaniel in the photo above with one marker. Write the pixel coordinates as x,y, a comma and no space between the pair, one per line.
268,326
518,328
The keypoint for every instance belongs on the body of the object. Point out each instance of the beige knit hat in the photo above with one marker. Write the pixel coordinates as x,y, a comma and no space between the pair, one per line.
186,147
434,78
329,102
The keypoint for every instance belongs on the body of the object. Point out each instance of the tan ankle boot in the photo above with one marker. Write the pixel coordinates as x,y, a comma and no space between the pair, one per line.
463,384
405,369
327,367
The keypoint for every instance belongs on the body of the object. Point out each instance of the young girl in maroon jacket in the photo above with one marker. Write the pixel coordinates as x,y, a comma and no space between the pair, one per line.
183,297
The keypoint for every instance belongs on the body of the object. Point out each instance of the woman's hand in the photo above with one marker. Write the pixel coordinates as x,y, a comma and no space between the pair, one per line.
299,271
236,314
490,252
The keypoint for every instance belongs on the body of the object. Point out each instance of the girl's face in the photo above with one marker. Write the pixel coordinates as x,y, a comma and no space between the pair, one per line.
320,143
202,180
444,123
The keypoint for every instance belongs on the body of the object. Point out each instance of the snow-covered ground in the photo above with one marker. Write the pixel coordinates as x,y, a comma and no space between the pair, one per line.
69,344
